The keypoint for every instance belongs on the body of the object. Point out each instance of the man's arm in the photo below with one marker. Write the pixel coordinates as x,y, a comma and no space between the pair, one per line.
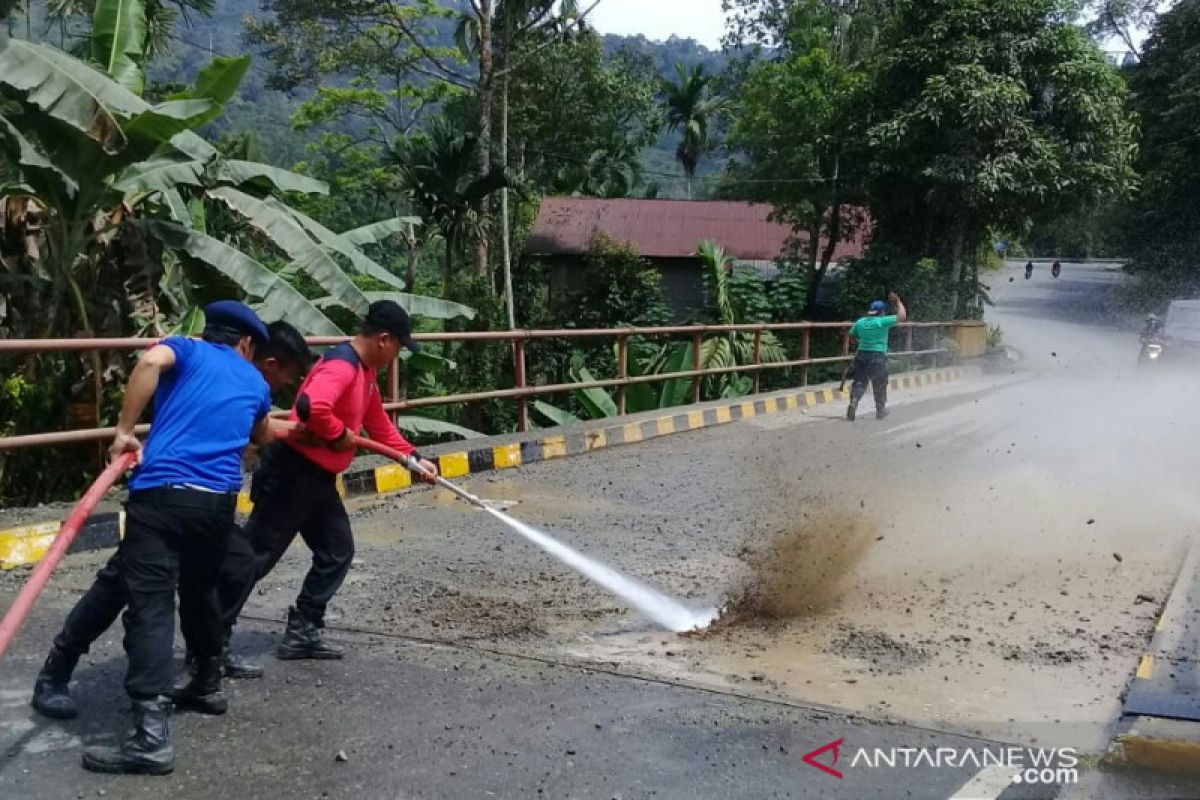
265,431
138,393
901,311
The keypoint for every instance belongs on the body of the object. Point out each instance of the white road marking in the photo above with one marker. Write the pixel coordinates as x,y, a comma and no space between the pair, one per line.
988,784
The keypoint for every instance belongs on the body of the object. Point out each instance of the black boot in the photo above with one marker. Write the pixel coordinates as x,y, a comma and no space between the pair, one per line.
881,413
851,410
302,639
239,668
147,752
51,697
203,692
235,667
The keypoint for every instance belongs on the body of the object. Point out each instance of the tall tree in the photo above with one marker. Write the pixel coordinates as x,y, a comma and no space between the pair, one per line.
990,120
400,54
802,103
691,107
576,114
1162,229
1122,19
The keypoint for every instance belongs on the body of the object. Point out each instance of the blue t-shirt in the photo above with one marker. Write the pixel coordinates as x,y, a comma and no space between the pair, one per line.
204,410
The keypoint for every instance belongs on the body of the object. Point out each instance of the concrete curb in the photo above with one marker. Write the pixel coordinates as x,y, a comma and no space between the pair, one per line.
24,545
1160,724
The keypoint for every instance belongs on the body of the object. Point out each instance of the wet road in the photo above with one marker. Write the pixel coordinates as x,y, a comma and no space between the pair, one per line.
984,566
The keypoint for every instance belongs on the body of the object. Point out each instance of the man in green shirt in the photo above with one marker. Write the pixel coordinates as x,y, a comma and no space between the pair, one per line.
870,364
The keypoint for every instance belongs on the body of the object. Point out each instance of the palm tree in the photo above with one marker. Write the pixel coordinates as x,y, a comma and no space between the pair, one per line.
439,172
610,172
690,107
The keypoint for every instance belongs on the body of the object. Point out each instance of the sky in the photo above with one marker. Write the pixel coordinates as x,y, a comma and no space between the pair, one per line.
702,20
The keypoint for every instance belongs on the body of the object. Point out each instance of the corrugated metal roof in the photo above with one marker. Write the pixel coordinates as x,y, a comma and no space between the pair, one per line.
664,228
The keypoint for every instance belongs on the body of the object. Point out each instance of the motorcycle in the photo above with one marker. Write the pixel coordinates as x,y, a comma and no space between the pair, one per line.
1152,351
1153,341
1029,270
1056,269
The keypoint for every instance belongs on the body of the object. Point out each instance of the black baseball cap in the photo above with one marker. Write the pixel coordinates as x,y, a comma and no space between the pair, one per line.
389,316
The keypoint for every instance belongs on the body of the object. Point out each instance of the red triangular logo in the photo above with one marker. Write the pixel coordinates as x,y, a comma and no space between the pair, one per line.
811,758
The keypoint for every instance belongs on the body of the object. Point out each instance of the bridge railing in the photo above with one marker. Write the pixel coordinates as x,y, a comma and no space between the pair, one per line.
932,334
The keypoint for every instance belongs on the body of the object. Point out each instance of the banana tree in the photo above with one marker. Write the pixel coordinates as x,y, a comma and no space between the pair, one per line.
97,156
735,348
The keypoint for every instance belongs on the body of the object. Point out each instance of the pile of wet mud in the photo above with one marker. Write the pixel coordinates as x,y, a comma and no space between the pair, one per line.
884,653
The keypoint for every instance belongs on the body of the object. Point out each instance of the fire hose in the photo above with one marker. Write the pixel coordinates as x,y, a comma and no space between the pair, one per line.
304,409
41,573
58,548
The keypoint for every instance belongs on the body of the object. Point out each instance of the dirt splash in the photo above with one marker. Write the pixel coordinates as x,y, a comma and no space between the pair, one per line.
800,572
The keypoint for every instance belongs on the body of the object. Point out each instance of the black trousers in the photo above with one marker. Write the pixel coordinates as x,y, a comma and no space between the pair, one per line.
870,367
104,601
291,495
175,540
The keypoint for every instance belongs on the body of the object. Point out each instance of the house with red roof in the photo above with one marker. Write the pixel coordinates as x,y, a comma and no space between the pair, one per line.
666,233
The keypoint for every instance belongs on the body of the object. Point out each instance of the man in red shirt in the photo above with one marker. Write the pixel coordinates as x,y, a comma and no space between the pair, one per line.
294,488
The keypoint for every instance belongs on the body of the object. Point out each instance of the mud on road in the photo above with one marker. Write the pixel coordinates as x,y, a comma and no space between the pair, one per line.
956,584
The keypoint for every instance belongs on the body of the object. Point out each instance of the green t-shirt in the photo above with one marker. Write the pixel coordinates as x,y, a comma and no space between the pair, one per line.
872,333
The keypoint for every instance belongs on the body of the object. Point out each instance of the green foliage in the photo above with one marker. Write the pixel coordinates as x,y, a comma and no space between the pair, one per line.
616,288
438,171
801,113
1162,231
579,119
119,41
990,121
729,307
108,193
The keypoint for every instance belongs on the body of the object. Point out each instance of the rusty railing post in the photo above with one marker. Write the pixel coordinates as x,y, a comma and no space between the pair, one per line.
908,347
394,387
519,370
622,370
697,343
758,360
805,353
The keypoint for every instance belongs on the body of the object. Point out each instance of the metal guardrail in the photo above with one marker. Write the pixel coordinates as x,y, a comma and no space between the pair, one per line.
521,391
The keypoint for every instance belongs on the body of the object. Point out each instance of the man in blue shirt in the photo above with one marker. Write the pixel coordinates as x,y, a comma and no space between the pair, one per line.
870,363
209,402
283,359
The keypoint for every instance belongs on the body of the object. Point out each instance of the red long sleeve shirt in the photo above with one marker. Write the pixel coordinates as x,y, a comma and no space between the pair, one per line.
344,393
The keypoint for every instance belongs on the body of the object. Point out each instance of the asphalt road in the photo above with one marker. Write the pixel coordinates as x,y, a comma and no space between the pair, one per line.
982,569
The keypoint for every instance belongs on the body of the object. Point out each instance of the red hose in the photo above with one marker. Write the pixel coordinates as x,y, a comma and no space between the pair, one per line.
66,534
364,443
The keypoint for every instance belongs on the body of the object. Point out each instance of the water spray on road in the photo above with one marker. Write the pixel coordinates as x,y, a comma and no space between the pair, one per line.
662,609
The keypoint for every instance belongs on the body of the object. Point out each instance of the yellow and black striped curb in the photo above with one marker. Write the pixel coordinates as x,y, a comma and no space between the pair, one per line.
26,544
1160,724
